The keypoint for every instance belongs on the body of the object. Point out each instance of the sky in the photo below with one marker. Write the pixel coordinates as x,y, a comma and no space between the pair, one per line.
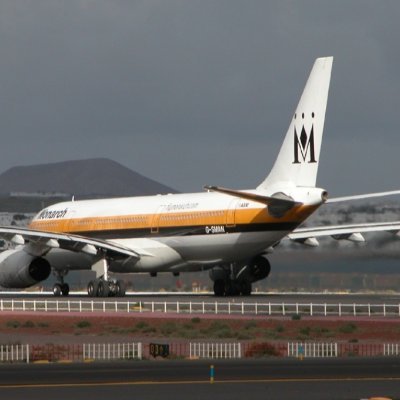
199,92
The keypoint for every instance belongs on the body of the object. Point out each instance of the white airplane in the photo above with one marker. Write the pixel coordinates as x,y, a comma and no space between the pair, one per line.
225,231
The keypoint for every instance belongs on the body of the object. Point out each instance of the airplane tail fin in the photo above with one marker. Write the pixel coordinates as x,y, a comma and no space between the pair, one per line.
298,159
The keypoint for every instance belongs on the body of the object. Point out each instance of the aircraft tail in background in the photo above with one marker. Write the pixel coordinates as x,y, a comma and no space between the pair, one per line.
298,159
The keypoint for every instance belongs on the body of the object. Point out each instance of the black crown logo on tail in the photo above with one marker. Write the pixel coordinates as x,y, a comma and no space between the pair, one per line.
304,146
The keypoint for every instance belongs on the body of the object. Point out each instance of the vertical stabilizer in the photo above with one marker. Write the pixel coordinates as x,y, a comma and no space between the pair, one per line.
298,159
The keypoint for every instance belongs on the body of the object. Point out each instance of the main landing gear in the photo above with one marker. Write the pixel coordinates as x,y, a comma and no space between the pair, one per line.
237,279
106,288
103,285
232,287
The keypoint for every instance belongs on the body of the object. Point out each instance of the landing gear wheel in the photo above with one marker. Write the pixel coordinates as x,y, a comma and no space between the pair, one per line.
231,288
121,289
92,288
103,290
219,287
245,288
65,289
60,288
57,290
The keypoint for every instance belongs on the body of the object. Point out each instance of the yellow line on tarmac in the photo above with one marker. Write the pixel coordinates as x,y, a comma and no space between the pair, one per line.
198,382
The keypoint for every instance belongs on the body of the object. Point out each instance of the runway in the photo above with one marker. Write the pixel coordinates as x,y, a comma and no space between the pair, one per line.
284,379
312,305
358,298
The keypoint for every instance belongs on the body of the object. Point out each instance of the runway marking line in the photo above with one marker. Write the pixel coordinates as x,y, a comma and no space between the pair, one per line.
199,382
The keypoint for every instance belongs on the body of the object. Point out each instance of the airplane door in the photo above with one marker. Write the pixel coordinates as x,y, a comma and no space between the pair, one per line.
70,225
230,215
155,221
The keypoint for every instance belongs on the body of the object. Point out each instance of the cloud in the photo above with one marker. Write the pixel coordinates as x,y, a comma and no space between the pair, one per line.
198,92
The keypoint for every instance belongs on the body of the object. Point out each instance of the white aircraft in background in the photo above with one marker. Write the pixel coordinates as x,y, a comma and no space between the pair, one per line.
225,231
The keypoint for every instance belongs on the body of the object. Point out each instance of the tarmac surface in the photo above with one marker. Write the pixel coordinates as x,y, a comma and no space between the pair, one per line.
332,298
286,379
283,379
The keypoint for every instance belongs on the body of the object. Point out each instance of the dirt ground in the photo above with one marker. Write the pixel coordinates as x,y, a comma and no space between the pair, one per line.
69,329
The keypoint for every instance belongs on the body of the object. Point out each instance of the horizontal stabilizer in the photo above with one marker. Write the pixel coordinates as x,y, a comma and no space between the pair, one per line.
363,196
277,207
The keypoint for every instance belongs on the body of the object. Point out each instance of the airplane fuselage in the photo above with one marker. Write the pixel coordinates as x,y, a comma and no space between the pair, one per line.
175,232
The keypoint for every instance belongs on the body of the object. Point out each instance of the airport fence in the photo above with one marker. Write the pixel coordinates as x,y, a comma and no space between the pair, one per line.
314,350
215,350
391,349
112,351
318,349
190,350
202,307
56,352
14,353
70,352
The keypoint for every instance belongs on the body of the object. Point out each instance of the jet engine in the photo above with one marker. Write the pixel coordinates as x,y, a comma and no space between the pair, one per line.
258,268
19,269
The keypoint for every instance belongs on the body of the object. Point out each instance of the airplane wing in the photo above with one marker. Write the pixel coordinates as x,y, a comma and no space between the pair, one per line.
50,240
352,232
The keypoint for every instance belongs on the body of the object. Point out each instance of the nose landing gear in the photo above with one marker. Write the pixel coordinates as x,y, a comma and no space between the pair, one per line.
60,288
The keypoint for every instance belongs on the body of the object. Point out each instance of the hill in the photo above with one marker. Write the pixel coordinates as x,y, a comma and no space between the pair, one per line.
99,177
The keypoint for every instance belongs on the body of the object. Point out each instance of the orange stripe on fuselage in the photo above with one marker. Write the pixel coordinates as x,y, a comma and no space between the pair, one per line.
164,220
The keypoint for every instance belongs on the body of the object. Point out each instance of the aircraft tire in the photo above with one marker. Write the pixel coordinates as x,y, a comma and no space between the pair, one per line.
65,289
219,288
231,288
245,288
121,289
92,289
57,290
103,290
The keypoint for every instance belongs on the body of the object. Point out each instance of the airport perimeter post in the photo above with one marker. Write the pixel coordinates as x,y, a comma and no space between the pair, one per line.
301,352
211,373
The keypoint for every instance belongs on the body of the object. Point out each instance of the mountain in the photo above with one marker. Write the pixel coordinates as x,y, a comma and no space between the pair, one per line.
98,177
